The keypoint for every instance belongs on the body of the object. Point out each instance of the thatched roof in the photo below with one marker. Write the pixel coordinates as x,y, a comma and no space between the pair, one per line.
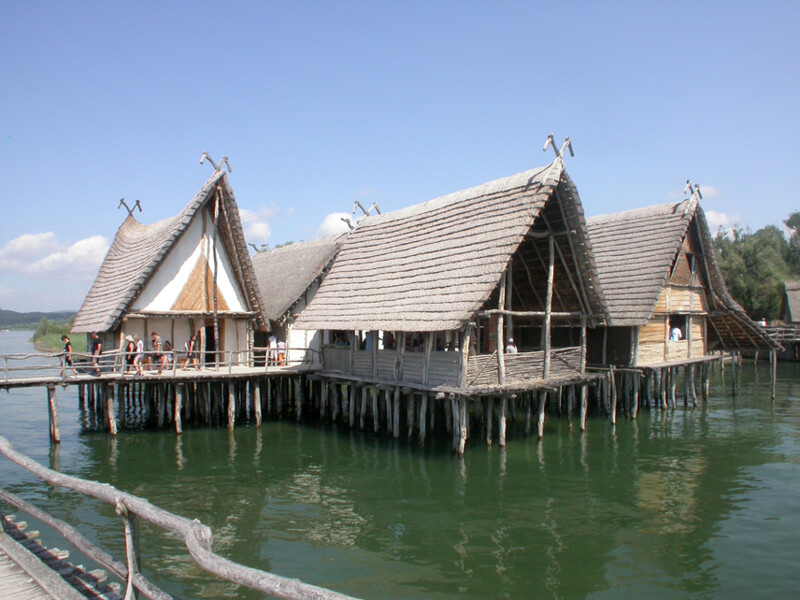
431,266
634,251
790,311
138,249
283,274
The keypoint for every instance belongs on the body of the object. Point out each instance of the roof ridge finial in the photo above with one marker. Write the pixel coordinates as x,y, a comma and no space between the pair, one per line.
694,195
205,157
130,209
550,141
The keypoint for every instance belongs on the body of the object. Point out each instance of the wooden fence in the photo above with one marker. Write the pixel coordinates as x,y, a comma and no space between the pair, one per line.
130,508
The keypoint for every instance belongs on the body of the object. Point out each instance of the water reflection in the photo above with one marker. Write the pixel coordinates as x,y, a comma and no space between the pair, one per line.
648,508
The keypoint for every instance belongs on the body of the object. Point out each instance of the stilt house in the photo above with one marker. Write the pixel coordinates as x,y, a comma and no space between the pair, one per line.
788,333
288,279
429,296
790,305
667,300
190,274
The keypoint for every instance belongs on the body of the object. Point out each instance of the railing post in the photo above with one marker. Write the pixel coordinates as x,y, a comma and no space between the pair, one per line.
131,548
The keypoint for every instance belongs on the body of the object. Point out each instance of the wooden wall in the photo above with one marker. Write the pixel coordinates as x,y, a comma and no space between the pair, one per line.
654,346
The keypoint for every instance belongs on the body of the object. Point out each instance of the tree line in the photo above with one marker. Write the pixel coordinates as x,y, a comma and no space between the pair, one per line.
756,265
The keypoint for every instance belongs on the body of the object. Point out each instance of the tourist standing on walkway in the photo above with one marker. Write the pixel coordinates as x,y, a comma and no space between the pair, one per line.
156,346
68,355
95,349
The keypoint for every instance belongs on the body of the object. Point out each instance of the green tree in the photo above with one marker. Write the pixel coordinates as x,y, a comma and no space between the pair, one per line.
755,265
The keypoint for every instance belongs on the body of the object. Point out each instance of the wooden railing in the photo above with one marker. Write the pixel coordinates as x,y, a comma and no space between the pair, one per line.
130,508
54,365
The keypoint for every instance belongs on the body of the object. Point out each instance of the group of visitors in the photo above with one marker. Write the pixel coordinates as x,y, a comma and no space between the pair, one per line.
276,353
160,357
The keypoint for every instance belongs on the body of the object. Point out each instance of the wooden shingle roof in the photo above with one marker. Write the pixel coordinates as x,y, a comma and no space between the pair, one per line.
138,249
431,266
633,251
284,273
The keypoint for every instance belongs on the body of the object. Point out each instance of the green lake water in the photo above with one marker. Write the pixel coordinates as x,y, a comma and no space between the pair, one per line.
687,503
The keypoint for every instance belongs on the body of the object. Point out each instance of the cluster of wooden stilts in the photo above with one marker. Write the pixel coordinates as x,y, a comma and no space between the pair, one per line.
392,410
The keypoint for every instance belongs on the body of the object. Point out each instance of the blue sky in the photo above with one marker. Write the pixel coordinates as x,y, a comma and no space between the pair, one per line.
321,104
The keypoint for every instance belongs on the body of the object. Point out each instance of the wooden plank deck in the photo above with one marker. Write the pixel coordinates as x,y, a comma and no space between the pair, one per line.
25,577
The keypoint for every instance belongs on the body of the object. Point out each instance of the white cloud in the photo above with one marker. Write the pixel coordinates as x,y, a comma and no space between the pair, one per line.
26,248
256,222
333,223
709,191
76,262
718,220
257,232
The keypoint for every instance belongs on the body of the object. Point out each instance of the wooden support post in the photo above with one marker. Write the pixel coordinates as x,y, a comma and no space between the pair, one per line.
467,334
548,307
231,405
612,382
635,407
396,412
376,424
528,407
542,401
55,427
673,386
693,385
335,400
423,407
686,385
501,364
363,413
177,408
112,421
734,369
584,405
352,404
502,424
489,418
426,365
256,387
773,372
463,422
571,404
410,414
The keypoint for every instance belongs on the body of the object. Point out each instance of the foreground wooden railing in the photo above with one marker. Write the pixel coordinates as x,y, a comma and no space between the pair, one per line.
196,536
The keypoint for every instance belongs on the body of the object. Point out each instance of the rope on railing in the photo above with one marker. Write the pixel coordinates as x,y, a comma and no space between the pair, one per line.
196,536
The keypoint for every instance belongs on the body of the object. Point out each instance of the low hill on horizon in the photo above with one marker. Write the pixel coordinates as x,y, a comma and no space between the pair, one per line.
11,319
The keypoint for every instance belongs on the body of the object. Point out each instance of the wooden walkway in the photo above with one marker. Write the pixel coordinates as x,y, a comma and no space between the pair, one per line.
25,577
169,375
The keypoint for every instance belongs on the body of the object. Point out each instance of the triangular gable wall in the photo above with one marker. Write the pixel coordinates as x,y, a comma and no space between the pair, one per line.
197,294
178,281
